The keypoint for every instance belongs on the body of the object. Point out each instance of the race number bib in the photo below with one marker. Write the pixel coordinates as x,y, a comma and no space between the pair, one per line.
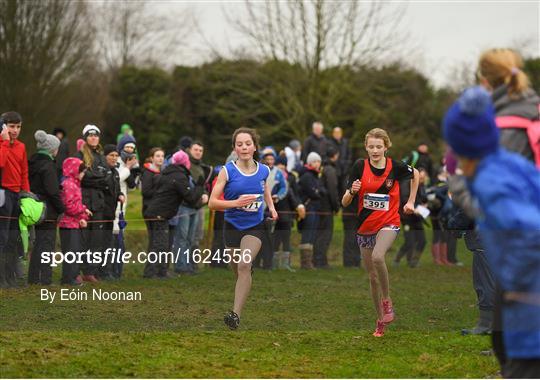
377,202
254,206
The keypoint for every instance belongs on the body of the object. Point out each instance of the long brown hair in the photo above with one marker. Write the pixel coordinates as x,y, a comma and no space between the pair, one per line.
88,157
252,132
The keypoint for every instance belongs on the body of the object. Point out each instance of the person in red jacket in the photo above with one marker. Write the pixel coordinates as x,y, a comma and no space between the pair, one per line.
13,179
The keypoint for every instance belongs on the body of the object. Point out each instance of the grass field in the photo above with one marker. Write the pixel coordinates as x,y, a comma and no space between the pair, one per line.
304,324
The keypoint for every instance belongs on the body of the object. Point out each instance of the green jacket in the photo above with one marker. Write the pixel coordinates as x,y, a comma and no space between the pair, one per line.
32,212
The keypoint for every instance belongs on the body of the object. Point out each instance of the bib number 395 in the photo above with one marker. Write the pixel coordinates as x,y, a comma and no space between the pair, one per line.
377,202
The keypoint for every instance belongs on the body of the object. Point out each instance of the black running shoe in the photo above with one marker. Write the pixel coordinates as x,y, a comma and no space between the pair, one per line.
232,320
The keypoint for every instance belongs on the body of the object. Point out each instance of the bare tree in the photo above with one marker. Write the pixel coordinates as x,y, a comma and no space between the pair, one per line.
317,35
321,33
133,32
44,45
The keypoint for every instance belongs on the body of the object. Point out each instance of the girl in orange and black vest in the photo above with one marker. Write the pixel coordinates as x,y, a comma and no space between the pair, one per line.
376,182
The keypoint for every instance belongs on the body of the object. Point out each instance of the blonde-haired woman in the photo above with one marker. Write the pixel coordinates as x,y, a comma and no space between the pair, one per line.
500,71
94,184
376,182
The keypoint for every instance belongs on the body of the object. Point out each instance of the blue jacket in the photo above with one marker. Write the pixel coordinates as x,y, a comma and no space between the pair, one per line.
507,189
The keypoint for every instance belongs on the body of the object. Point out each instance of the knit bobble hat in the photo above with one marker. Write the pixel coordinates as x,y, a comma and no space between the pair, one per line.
47,142
469,125
90,128
181,158
312,157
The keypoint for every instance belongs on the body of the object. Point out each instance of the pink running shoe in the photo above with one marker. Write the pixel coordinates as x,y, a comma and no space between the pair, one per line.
379,331
388,311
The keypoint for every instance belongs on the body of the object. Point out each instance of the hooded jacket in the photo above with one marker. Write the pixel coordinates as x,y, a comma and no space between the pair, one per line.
44,183
32,212
172,188
507,188
526,106
71,195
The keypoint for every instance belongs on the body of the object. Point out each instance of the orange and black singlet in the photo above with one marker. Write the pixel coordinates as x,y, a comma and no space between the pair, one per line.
378,202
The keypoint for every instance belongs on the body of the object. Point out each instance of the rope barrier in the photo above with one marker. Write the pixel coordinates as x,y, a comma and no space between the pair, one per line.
191,213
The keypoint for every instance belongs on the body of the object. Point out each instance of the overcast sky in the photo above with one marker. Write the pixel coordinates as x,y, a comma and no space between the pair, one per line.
446,34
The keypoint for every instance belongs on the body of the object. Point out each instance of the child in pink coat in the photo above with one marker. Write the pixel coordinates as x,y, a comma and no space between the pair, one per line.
74,218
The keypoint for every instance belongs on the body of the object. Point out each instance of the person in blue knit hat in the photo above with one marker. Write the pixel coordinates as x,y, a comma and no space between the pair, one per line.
506,190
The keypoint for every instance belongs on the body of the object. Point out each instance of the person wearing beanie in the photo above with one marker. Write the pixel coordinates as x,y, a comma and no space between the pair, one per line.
90,129
127,148
375,181
128,170
173,188
312,158
14,170
94,186
114,200
311,191
506,190
286,208
189,230
240,190
181,158
45,184
129,142
330,204
46,144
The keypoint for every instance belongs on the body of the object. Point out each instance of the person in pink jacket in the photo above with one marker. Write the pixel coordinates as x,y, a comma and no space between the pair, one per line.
74,218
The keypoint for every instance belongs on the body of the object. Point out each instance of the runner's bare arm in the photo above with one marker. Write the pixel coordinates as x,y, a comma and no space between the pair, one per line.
270,202
221,205
349,196
409,206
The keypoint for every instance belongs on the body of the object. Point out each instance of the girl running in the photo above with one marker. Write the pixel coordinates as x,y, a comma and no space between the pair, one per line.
376,182
243,183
